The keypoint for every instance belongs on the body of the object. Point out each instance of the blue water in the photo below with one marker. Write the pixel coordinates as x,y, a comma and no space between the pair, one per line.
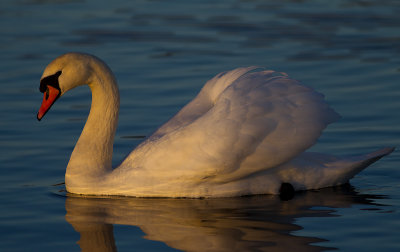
162,52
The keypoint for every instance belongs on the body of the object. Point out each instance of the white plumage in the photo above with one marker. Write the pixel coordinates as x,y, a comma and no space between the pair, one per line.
245,133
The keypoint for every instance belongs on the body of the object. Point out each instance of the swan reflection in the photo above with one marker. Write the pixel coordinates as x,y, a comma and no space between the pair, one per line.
227,224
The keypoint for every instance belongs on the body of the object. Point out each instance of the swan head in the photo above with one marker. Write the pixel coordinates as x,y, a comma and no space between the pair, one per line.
61,75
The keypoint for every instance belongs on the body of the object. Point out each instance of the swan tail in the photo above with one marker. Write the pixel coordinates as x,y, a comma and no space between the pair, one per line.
316,170
363,161
376,155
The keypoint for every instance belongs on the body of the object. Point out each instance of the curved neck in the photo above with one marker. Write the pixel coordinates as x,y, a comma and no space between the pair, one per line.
92,155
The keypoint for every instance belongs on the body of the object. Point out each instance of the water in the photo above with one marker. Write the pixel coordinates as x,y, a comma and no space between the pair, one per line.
162,52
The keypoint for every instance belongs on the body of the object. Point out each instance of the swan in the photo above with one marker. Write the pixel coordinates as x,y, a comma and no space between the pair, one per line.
245,133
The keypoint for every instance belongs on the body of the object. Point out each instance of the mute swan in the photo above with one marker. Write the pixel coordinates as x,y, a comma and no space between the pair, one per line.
245,133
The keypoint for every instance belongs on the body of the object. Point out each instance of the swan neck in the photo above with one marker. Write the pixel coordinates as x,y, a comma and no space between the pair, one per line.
92,155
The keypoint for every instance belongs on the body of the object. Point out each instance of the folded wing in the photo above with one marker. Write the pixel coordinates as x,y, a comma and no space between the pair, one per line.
242,122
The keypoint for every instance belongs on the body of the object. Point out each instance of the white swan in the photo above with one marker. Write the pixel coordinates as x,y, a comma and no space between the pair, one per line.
245,133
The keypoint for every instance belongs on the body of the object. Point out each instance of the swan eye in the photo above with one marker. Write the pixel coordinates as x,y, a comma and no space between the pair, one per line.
47,93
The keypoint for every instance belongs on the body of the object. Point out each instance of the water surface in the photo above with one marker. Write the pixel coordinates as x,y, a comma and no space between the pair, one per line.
162,52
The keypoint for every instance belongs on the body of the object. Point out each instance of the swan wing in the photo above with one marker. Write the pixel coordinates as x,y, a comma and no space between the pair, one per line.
243,121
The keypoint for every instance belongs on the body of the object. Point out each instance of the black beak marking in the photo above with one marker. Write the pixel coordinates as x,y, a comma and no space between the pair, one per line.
51,80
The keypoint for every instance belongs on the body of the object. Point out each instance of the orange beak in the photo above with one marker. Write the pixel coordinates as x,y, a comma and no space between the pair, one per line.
49,97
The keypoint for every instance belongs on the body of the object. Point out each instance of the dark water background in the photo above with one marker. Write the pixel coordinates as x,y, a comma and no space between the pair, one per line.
162,52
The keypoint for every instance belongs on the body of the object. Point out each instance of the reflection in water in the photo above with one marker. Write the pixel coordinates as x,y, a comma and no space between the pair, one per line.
227,224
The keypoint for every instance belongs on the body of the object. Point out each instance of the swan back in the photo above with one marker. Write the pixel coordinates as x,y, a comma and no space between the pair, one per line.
242,122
